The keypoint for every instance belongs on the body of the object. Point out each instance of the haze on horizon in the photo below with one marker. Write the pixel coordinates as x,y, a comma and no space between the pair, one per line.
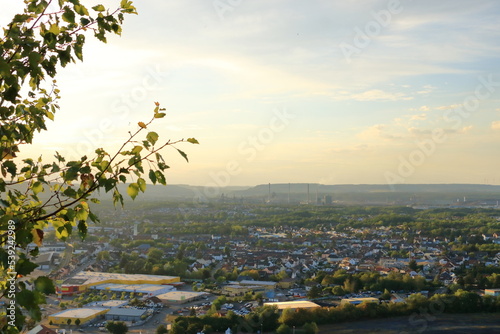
352,92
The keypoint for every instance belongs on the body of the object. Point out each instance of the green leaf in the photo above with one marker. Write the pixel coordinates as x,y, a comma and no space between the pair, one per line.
68,15
152,137
160,178
99,8
142,184
81,10
20,18
117,198
84,21
81,214
162,166
184,155
70,192
34,59
55,168
78,47
137,149
11,167
11,93
109,184
25,267
44,285
54,28
37,187
160,115
26,299
94,218
192,141
152,176
82,227
133,190
4,68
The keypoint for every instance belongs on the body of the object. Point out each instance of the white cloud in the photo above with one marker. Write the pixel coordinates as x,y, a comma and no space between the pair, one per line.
447,107
377,132
371,95
495,125
421,117
426,90
351,149
422,132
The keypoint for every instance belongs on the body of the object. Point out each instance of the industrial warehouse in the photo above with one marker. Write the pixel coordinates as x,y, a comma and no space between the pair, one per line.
145,289
294,305
146,284
77,316
181,297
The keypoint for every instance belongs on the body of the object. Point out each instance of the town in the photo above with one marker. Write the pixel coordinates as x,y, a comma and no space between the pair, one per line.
232,261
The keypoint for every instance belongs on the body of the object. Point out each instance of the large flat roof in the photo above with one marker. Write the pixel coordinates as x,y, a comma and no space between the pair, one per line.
180,295
139,288
234,286
92,278
266,283
79,312
107,303
293,304
361,299
134,312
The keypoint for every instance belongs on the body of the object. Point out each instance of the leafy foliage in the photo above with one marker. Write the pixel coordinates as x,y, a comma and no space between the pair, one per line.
35,194
117,327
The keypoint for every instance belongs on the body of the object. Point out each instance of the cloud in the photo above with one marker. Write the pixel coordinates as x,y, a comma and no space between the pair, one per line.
495,125
451,106
371,95
378,131
426,90
419,132
421,117
351,149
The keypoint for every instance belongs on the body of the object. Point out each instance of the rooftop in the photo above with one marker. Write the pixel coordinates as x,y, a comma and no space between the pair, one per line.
293,304
79,312
180,295
126,312
138,288
92,278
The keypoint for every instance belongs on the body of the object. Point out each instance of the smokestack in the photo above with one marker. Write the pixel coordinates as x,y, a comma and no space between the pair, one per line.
308,198
289,194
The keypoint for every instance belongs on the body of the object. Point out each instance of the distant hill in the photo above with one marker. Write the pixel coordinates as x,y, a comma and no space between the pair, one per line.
362,188
378,194
314,193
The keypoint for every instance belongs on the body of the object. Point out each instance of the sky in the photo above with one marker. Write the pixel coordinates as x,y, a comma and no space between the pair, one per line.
319,91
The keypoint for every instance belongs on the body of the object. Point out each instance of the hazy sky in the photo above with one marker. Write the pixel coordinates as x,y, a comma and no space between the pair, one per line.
353,91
